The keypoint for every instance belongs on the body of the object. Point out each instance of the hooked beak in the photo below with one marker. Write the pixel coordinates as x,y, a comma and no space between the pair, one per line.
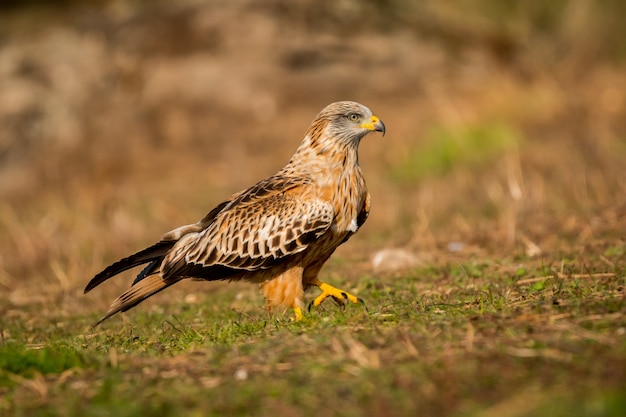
375,125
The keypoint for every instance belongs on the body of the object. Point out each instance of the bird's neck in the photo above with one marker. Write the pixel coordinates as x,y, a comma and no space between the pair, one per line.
323,156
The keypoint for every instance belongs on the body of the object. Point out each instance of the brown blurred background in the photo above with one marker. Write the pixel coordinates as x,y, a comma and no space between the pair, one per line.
120,120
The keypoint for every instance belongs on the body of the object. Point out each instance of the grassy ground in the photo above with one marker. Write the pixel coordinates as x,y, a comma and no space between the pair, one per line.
471,337
493,264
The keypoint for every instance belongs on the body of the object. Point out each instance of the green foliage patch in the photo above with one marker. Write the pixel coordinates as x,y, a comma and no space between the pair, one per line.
444,148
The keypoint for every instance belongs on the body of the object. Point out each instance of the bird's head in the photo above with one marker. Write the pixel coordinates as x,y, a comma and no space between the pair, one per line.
346,121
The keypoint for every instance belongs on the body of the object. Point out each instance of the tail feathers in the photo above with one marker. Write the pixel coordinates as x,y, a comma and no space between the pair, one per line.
153,254
145,288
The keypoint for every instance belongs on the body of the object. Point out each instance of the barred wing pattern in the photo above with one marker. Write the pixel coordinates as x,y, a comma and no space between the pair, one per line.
250,234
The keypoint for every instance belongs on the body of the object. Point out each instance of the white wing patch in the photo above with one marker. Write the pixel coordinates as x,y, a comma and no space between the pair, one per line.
353,226
266,229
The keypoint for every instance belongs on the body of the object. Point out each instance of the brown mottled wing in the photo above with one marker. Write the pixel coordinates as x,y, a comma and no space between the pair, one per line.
254,232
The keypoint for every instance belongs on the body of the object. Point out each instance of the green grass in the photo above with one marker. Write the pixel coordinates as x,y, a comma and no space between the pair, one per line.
444,148
25,361
463,338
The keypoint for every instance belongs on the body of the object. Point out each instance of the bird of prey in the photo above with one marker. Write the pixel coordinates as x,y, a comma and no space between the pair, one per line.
277,233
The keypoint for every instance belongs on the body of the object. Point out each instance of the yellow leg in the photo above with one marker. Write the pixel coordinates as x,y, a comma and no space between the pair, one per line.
298,312
340,297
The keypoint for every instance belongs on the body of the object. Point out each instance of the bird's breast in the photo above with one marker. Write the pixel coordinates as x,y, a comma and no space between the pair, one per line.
348,200
338,180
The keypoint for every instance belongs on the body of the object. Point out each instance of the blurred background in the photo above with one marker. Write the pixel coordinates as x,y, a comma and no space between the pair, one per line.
120,120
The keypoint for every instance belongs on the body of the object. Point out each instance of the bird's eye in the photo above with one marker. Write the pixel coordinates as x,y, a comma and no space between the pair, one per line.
354,117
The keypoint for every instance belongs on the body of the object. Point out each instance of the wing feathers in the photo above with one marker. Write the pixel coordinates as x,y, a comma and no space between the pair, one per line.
148,270
253,237
153,253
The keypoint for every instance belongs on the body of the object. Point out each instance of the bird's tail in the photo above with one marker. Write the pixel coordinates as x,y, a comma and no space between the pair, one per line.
153,255
143,289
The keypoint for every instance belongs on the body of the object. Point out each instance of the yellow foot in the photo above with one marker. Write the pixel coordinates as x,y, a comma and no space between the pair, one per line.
297,311
340,297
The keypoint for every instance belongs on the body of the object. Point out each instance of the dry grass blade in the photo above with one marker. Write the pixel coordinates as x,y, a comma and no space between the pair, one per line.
560,275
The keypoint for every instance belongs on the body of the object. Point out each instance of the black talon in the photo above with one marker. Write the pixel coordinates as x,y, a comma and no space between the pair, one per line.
310,305
341,302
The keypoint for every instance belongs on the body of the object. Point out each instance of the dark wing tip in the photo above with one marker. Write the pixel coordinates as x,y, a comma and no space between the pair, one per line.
153,255
95,281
